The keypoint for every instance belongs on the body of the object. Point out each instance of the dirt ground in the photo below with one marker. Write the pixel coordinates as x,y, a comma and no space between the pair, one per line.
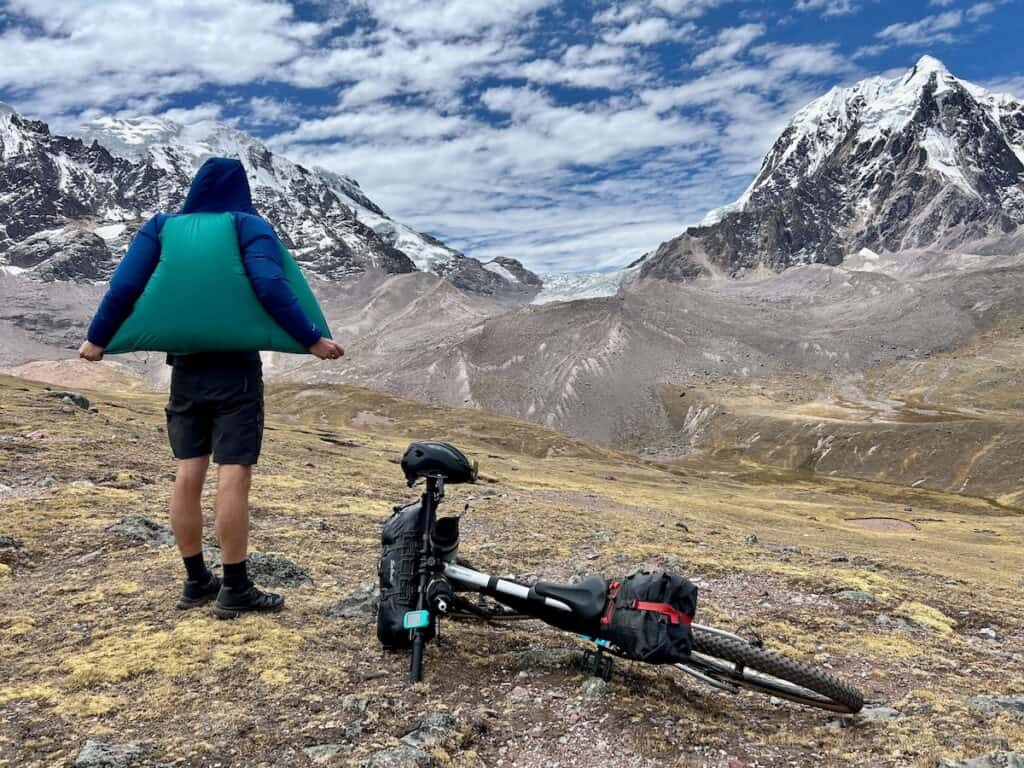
92,647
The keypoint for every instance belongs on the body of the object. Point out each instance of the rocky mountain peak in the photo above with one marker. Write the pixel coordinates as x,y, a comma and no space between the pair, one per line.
928,65
888,164
99,185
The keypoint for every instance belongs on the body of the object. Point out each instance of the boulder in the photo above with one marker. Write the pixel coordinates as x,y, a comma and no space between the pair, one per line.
99,754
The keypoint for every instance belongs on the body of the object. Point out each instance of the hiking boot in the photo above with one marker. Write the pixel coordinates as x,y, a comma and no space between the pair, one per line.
232,603
196,593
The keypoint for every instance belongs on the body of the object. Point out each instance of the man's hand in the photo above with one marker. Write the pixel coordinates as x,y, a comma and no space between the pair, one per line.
326,349
91,352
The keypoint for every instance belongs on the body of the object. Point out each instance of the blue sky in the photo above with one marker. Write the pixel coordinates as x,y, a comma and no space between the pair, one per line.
572,136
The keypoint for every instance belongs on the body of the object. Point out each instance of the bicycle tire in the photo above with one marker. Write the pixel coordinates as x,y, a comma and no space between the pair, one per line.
827,691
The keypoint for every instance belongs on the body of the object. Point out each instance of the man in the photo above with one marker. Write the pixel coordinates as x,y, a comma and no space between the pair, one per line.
216,398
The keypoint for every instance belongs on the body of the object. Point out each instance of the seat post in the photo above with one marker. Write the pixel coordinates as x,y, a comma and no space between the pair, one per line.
432,496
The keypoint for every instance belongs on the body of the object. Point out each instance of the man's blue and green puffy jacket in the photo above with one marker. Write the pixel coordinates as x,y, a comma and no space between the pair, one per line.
220,186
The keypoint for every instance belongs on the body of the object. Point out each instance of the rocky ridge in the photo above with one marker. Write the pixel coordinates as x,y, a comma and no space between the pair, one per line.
74,203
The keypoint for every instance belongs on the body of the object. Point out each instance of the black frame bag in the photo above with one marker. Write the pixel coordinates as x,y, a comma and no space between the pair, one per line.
398,570
648,617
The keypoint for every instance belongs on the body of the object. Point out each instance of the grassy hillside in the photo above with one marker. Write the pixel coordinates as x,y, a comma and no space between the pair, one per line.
91,646
951,421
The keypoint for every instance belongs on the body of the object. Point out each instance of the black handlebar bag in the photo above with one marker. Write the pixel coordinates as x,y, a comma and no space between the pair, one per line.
648,617
398,570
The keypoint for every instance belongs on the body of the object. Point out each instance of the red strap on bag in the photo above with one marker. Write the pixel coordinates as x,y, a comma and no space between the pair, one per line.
674,615
613,592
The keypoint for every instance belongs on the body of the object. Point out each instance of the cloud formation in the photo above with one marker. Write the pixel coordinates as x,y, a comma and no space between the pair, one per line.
829,7
570,135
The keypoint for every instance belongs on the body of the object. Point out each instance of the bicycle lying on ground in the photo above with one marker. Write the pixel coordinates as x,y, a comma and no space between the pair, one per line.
427,581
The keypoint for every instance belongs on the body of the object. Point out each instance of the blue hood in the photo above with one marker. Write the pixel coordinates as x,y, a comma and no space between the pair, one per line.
220,186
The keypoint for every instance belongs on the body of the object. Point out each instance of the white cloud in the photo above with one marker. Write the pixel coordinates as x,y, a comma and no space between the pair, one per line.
978,10
803,59
1012,84
687,9
728,43
198,113
619,13
91,51
623,12
264,110
595,76
938,28
451,19
646,32
521,187
828,7
389,64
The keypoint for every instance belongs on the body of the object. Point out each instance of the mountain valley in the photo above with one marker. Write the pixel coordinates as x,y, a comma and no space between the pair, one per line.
815,356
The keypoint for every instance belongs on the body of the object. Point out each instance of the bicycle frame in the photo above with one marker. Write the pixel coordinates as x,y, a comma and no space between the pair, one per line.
495,587
440,575
469,579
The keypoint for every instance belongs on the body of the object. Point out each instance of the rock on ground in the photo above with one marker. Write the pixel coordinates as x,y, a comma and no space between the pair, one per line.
400,757
594,688
1012,703
98,754
276,571
437,731
995,760
360,604
326,754
73,398
879,713
856,596
140,528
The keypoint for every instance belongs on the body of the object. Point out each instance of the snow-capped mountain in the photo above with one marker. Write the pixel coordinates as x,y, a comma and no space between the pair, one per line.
923,160
76,201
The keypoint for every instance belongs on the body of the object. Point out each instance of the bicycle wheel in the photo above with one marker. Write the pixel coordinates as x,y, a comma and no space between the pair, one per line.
733,660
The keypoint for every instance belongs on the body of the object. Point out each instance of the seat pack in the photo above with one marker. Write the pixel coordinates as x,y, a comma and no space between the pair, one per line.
648,616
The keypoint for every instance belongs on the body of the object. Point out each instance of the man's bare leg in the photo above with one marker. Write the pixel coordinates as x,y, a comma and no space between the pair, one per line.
186,505
233,482
238,595
187,521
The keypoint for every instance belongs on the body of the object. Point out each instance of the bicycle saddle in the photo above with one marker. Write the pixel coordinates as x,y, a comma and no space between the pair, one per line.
587,599
433,458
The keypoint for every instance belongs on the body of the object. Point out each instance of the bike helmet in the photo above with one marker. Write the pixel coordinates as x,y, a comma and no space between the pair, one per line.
437,459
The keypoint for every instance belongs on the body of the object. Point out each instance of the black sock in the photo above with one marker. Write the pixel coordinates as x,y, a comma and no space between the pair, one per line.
236,575
196,568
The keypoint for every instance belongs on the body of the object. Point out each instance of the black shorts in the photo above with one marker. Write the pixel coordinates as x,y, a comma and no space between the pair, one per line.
216,411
